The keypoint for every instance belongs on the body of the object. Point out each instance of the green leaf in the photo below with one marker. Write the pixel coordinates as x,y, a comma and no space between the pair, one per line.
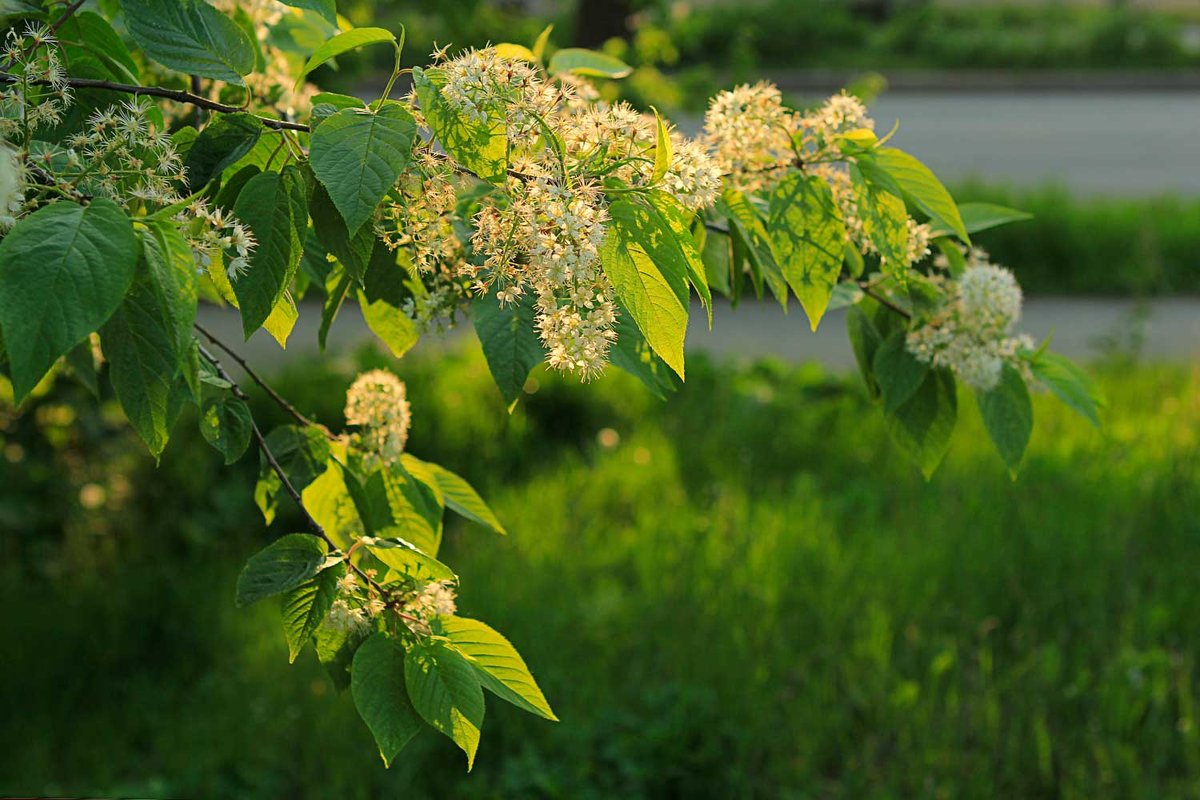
82,362
1008,416
1070,384
631,353
352,252
405,557
336,285
679,219
808,240
979,217
923,425
382,299
269,205
510,342
459,495
63,272
377,681
924,188
898,371
498,665
326,8
282,565
225,423
481,147
302,452
93,34
885,221
649,274
220,145
344,43
445,691
329,502
663,152
750,239
539,44
282,320
358,156
589,63
191,37
306,606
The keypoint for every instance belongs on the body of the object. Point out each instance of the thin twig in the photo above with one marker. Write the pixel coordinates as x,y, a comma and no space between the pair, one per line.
262,384
869,291
178,95
67,14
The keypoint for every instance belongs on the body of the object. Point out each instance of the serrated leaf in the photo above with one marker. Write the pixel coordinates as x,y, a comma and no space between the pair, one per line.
459,495
589,63
510,342
220,145
343,43
663,152
303,454
225,423
63,272
306,606
481,147
282,565
1007,412
649,275
377,682
750,242
359,155
405,557
445,691
679,220
885,221
352,252
269,205
920,184
191,37
808,240
499,666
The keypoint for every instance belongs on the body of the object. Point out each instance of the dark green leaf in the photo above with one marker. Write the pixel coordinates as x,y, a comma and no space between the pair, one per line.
220,145
377,682
225,423
269,205
282,565
63,272
1008,416
358,156
922,427
305,606
898,371
191,37
510,342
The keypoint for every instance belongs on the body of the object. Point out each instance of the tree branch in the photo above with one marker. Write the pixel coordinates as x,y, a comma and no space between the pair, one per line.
67,14
262,384
870,292
178,95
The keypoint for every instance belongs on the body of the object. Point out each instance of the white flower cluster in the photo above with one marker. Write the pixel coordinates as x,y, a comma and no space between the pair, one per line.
819,129
213,233
12,186
25,106
119,155
542,236
377,406
971,335
432,600
749,131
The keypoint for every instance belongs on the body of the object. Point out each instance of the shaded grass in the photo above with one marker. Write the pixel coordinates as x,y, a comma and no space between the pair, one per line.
750,594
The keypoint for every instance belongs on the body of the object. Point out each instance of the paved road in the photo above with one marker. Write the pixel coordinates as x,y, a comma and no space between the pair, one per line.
1120,143
1170,330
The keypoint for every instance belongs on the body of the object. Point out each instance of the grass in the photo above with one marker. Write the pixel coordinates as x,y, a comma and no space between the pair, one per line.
749,594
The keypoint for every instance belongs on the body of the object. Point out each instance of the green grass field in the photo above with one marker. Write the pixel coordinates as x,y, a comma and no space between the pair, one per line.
746,592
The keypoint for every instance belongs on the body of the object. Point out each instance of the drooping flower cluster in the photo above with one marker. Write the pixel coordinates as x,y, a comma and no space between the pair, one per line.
377,406
971,335
541,238
819,129
432,600
39,93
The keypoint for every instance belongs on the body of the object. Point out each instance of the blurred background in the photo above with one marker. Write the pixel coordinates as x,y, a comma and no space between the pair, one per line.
743,592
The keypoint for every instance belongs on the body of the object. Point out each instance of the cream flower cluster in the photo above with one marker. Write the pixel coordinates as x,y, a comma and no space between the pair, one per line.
213,233
749,132
12,186
25,107
971,335
432,600
274,83
376,404
541,238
